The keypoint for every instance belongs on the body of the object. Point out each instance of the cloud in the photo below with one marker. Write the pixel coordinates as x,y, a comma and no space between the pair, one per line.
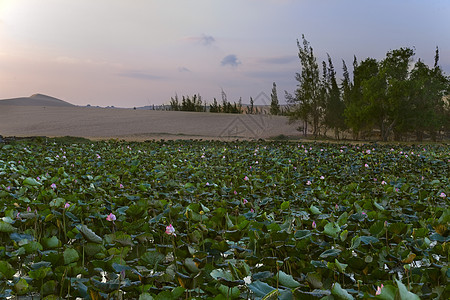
230,60
183,69
140,75
205,40
279,60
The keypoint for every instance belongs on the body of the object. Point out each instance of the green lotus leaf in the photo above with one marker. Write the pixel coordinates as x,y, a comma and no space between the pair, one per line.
261,289
368,240
301,234
106,287
49,287
331,229
6,270
219,273
89,235
51,243
388,292
287,280
404,293
6,227
315,210
340,293
31,182
330,252
21,287
40,273
145,296
340,266
70,255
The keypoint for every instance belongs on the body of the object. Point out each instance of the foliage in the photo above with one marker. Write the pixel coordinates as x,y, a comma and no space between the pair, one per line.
274,104
392,97
307,99
224,220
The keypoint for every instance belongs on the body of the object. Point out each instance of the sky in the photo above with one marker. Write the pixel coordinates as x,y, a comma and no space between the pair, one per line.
128,53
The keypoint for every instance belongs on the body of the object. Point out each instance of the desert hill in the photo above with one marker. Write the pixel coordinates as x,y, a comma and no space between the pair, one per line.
36,100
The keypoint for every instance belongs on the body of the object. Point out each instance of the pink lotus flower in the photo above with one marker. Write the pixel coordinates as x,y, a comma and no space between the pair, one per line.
53,186
379,288
366,165
67,205
111,217
121,186
245,201
314,224
442,195
170,230
246,178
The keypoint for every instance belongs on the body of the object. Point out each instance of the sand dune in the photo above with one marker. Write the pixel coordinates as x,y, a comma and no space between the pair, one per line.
36,100
63,119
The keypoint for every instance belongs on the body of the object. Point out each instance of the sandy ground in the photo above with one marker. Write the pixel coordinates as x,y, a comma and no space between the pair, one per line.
137,125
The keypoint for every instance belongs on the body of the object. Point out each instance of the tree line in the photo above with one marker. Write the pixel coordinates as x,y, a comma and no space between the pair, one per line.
394,98
195,104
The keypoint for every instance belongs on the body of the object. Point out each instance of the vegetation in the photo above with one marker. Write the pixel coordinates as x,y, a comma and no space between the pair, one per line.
223,220
197,105
274,104
393,96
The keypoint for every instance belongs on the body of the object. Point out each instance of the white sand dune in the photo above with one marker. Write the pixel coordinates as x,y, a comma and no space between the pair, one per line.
36,100
51,117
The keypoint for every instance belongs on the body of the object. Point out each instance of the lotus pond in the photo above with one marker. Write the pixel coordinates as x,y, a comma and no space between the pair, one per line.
224,220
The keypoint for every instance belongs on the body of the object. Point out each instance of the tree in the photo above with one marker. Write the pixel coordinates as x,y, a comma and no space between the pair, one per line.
305,105
357,110
334,106
214,107
387,92
274,105
250,110
174,103
427,110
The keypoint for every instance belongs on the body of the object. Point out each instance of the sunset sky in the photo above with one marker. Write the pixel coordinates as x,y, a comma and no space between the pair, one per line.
139,52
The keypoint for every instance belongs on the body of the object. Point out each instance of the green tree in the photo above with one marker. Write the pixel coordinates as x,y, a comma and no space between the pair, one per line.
357,112
334,106
387,92
305,104
250,110
174,103
428,109
214,107
274,104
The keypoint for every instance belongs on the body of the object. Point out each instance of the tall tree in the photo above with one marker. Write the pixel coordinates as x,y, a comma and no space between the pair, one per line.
305,105
357,110
334,107
388,92
427,110
274,104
